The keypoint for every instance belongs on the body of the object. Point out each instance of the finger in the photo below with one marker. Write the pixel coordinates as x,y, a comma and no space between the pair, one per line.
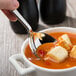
10,15
9,4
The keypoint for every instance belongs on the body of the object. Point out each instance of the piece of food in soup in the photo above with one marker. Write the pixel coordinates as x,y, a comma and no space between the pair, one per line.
65,42
66,38
57,54
73,52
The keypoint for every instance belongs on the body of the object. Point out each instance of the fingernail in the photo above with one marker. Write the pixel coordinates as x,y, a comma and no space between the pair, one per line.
16,3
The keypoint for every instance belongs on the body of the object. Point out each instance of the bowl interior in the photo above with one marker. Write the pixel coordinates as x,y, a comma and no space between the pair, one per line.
50,30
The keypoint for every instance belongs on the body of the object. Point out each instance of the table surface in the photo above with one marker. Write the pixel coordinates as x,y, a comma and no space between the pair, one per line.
10,43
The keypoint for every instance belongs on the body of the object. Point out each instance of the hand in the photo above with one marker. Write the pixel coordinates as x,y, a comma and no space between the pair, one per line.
7,5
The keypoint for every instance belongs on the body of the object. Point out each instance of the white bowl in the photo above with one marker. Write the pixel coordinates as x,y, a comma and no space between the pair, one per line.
37,70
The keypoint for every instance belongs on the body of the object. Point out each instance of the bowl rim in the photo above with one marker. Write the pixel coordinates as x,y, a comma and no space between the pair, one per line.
42,68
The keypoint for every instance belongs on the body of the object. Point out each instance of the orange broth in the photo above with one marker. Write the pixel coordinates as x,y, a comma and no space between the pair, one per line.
69,62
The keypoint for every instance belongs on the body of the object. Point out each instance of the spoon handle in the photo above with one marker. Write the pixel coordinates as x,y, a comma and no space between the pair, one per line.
22,20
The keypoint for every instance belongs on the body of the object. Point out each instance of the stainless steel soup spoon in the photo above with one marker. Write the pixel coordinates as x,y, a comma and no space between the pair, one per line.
35,38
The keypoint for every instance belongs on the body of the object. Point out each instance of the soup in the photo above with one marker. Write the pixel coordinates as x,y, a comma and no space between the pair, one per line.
67,63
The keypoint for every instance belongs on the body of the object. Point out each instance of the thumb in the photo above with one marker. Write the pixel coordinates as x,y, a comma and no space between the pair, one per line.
9,4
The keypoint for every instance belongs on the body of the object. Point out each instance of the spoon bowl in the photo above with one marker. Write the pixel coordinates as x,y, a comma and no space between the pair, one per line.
38,38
